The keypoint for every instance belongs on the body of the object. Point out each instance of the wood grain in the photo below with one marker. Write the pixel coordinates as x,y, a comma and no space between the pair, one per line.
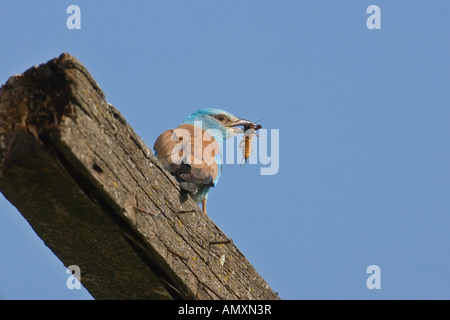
96,195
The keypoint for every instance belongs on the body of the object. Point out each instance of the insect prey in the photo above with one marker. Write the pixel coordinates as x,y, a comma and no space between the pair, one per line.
246,143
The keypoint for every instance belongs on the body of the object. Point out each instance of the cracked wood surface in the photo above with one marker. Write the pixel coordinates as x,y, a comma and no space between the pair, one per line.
80,175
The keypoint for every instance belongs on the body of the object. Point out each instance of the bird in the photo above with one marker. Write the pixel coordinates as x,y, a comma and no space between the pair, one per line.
191,152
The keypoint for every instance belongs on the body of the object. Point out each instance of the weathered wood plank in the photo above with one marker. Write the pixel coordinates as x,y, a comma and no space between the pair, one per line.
76,171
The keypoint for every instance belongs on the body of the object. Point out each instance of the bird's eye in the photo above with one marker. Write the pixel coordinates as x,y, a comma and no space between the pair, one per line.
220,117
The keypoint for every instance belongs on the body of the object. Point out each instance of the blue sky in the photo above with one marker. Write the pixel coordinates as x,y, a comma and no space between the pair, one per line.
363,117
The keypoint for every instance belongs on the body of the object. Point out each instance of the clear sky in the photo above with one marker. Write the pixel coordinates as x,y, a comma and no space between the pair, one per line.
363,118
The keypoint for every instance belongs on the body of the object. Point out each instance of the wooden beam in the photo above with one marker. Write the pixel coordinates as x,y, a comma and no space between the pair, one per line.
99,199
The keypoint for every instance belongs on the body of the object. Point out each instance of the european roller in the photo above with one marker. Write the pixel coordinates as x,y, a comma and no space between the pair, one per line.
191,152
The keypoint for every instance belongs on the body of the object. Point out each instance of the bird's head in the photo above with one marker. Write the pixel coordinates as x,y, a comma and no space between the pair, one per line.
220,121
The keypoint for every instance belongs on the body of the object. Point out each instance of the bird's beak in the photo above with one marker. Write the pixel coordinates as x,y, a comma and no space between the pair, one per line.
240,122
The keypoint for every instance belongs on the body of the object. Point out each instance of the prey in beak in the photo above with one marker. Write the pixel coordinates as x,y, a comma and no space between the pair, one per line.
246,124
